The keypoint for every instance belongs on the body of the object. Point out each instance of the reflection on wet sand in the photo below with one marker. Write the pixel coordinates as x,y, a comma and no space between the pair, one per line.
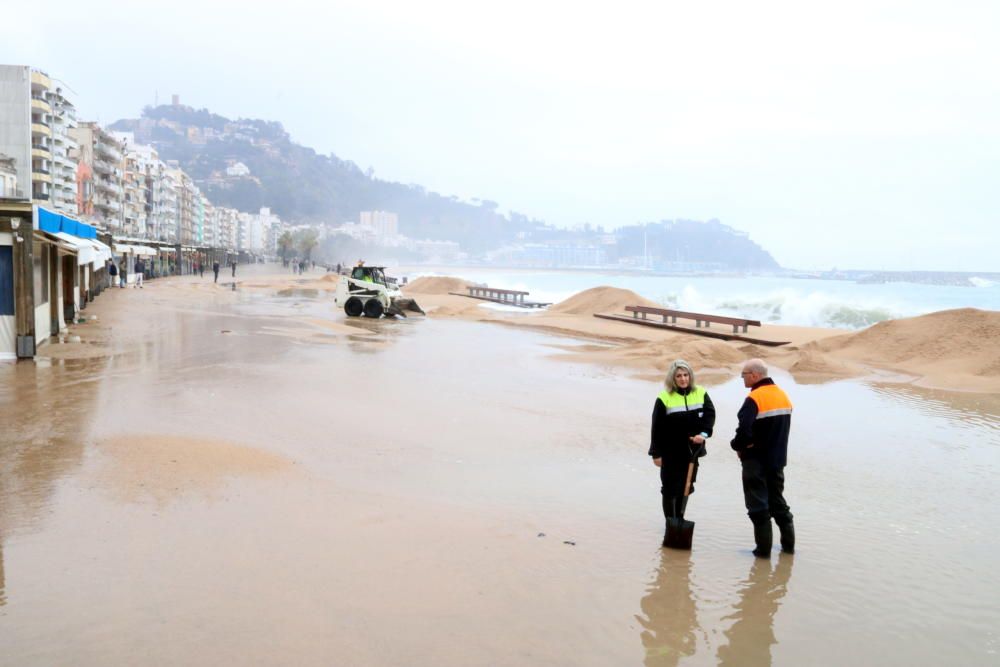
751,635
978,410
670,618
3,581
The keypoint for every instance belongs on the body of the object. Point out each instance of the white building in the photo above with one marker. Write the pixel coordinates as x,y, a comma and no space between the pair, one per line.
237,169
254,230
35,121
382,223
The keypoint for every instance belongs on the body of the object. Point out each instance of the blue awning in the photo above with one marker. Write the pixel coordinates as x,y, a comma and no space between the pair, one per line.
52,223
48,221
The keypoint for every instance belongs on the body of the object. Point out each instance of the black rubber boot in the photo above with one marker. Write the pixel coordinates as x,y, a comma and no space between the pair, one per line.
787,528
763,536
671,505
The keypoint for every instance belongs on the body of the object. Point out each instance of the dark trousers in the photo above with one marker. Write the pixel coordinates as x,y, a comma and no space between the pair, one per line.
673,477
763,493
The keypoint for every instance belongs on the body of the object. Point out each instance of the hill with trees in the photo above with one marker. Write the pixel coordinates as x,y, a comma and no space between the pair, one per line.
303,186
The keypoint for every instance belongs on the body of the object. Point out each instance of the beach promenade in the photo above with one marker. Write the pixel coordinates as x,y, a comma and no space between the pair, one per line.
239,474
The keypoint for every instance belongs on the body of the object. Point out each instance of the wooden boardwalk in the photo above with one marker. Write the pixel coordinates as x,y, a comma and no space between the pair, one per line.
507,297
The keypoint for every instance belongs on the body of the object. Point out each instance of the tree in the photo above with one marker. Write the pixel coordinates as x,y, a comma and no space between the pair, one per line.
285,243
306,240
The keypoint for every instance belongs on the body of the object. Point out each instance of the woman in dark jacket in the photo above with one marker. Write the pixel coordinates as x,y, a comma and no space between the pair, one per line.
683,418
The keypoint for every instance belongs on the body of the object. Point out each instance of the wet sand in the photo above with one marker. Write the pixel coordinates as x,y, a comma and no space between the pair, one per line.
248,477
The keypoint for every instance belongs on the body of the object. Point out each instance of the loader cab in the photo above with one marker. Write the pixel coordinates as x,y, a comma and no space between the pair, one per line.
369,274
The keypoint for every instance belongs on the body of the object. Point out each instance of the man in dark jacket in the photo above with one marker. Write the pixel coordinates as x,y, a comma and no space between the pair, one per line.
765,420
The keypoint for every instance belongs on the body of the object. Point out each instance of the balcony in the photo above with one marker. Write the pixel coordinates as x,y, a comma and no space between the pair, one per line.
111,153
41,176
103,167
42,152
40,81
40,105
39,130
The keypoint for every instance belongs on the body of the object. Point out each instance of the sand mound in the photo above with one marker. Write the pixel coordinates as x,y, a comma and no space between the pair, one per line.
600,300
964,339
330,278
436,285
812,360
700,353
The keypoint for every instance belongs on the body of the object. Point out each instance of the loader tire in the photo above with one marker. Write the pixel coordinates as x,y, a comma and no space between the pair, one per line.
373,308
354,307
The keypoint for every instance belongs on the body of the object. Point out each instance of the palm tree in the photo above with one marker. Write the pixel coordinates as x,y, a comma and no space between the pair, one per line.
306,240
285,243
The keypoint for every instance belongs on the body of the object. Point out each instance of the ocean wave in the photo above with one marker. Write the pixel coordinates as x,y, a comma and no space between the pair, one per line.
788,306
976,281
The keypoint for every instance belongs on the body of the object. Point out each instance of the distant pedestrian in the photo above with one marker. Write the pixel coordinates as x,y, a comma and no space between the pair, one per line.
762,443
112,273
123,273
302,267
233,263
140,269
215,270
201,269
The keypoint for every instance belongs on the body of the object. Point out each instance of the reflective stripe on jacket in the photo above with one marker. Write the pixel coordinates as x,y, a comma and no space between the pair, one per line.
676,402
676,417
764,424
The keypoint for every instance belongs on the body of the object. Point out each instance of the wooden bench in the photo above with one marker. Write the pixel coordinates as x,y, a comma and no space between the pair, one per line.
699,318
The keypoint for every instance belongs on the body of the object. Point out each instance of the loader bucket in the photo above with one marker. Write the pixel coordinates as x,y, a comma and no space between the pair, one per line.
397,306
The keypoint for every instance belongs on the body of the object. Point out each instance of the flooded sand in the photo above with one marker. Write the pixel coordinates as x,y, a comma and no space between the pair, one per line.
246,477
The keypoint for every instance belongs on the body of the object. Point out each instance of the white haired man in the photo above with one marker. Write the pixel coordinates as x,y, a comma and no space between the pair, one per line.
761,441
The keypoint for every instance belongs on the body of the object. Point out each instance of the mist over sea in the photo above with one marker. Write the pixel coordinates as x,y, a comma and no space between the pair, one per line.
777,300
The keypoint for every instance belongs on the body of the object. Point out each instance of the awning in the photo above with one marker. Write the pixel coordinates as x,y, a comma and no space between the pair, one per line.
123,248
144,250
84,251
52,223
103,252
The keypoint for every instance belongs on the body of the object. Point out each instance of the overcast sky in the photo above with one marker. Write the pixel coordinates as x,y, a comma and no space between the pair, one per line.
857,134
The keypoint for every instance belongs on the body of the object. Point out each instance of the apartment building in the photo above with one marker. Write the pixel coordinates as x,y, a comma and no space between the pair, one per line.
382,223
100,192
35,119
63,165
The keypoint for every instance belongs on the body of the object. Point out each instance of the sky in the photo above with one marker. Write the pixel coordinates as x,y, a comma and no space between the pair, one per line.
856,134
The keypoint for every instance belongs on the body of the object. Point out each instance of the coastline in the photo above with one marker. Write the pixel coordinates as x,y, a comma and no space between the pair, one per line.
948,350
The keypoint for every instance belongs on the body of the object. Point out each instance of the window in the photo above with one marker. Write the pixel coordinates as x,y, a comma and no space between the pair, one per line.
41,273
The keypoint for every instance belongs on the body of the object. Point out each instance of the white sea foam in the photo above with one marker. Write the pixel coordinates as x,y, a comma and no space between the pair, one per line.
789,306
976,281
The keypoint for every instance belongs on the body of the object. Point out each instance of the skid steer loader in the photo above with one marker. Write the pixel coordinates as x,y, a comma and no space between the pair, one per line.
367,291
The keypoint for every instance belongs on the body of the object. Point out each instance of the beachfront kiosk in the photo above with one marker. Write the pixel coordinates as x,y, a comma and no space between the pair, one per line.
50,265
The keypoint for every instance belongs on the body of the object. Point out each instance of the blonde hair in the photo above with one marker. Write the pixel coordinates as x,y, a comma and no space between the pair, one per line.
680,364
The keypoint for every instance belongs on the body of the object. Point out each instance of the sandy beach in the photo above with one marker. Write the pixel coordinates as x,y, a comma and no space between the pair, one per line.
954,350
239,474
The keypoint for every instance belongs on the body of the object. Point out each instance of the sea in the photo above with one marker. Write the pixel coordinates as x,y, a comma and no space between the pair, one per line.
792,301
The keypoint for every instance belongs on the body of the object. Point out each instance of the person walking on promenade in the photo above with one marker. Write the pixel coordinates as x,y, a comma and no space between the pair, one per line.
215,270
201,269
761,441
112,272
123,273
233,263
140,268
683,417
